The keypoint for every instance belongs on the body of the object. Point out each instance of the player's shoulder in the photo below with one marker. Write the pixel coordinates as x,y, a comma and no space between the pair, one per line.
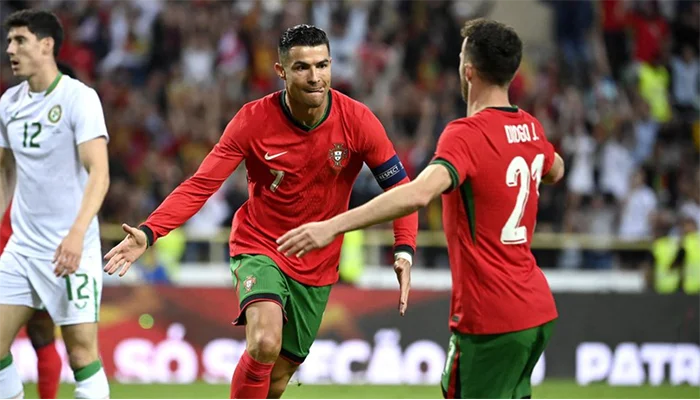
76,88
349,106
13,94
261,107
467,128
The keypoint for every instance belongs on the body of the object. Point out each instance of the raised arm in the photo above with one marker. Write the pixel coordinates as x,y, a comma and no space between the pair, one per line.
189,197
452,164
186,199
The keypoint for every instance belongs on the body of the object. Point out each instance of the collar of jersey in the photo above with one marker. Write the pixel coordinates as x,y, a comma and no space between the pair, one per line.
50,89
511,109
288,113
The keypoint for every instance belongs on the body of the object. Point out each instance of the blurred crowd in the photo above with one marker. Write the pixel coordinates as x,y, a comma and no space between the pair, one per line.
618,97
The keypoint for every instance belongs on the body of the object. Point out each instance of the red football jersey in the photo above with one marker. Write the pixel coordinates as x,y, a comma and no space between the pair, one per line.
496,158
295,175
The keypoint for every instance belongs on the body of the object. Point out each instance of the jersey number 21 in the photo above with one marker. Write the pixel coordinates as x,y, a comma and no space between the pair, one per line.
519,174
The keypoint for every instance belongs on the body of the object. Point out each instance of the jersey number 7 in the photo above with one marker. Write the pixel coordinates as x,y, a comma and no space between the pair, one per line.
519,174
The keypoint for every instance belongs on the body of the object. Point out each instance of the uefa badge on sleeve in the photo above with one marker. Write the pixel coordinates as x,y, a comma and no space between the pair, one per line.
248,283
338,155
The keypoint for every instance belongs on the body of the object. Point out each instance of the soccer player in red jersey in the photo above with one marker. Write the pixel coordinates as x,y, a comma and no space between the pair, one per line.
488,168
303,149
41,331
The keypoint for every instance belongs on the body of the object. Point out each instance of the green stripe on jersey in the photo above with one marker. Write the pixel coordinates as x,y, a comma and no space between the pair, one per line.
288,112
6,361
466,193
468,199
451,169
95,298
53,84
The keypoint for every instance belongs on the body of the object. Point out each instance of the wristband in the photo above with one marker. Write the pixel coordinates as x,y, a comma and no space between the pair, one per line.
405,255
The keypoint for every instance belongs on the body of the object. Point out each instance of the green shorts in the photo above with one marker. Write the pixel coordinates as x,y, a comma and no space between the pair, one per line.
258,278
493,366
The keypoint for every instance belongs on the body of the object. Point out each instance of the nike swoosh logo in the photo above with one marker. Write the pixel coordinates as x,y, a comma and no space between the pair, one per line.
14,117
269,157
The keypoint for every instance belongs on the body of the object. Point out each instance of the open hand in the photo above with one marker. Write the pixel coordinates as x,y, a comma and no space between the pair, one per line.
403,273
305,238
127,251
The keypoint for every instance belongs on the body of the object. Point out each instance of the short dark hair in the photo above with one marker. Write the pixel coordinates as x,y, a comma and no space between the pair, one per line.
494,49
39,22
302,35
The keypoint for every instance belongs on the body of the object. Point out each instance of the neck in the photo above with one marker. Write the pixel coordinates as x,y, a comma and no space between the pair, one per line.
41,81
308,116
490,96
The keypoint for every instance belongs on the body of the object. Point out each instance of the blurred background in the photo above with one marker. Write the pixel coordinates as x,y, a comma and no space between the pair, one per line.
616,84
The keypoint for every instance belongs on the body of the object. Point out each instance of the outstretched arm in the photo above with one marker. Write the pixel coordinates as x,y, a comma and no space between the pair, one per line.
185,200
400,201
189,197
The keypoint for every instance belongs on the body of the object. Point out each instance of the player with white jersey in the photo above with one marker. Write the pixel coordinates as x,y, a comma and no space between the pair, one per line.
55,128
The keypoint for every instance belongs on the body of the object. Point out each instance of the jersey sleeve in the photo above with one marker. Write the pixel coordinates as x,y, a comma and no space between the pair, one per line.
189,197
379,153
380,156
87,118
456,151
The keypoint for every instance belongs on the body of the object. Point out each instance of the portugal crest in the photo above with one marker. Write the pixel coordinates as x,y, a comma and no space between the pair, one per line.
248,283
338,154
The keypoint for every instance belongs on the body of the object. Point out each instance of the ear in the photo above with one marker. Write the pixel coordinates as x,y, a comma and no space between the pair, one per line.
468,72
279,70
47,44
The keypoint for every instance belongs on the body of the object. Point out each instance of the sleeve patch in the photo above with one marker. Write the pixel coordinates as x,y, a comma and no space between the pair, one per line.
390,173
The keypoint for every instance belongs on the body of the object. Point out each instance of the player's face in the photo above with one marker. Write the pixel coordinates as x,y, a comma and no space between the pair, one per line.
307,74
26,51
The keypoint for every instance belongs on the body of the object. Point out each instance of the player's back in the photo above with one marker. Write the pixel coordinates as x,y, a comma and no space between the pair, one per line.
490,220
43,130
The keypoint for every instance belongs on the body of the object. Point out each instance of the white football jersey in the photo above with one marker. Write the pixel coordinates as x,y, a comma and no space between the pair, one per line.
43,130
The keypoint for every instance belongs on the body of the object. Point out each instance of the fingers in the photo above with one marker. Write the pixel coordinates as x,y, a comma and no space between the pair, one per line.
118,263
298,246
65,263
58,266
288,240
403,300
56,254
111,253
296,241
403,274
128,229
282,239
114,263
125,268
